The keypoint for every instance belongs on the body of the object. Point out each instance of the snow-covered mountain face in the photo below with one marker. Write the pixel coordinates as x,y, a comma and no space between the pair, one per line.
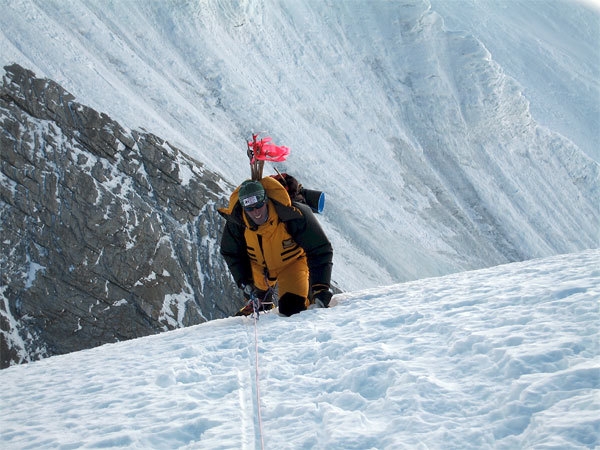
429,153
552,49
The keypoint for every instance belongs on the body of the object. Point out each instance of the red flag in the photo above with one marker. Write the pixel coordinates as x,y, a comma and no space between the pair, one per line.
265,150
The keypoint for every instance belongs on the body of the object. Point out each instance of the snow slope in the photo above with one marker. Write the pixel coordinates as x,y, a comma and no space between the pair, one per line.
559,40
502,358
429,153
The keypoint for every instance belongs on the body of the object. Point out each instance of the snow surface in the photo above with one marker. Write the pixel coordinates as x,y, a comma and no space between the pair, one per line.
426,146
503,358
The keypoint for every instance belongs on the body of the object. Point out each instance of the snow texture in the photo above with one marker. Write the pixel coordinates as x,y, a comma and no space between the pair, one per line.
502,358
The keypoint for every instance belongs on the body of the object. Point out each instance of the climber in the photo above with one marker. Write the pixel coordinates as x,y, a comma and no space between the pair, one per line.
269,240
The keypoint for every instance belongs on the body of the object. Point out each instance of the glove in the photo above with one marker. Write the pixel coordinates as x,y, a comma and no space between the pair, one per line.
322,298
249,290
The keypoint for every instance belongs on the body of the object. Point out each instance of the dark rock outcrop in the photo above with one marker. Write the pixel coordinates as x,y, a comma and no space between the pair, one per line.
108,234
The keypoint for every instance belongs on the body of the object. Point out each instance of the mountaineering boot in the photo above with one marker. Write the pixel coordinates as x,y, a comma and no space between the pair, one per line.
292,304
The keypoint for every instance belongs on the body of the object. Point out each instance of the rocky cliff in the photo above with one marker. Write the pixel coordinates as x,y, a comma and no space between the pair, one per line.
107,233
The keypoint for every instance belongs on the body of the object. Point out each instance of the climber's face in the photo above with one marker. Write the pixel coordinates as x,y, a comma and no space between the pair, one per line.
258,212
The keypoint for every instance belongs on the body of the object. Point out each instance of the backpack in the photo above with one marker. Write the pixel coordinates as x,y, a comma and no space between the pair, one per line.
314,199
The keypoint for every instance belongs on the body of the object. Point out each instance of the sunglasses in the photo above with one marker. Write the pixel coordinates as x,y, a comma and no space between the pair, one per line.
257,205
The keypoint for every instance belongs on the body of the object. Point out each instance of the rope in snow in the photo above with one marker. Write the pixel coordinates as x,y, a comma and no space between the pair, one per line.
256,304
